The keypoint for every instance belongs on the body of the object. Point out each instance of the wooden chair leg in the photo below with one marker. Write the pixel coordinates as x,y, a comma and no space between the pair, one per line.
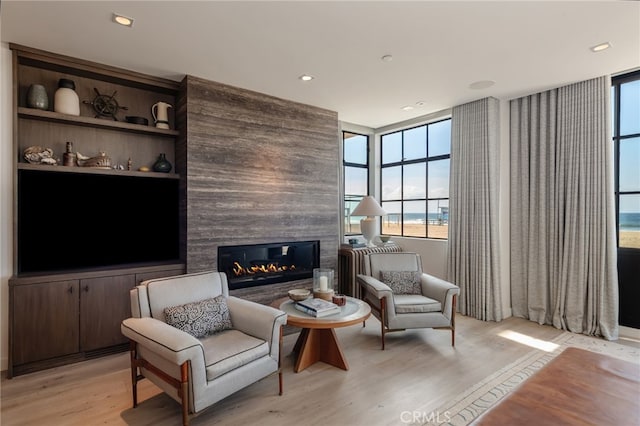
280,384
134,372
184,390
383,306
453,320
182,385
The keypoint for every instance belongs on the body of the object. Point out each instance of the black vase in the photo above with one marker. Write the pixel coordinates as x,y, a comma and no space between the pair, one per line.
162,165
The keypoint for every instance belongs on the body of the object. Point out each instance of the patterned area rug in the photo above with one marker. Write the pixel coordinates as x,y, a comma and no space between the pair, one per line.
485,394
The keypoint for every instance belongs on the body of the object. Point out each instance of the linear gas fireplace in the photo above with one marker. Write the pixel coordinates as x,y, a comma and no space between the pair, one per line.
260,264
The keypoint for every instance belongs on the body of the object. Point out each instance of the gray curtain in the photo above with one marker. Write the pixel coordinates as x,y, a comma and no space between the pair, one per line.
472,260
563,248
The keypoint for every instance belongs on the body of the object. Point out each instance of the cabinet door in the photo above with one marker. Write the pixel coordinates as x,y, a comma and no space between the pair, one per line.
104,303
45,321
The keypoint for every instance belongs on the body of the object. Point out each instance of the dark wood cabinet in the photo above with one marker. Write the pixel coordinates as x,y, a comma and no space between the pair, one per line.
45,320
62,318
104,303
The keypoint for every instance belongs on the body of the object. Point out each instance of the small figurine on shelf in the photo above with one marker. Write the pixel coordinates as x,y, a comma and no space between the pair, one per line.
69,157
129,164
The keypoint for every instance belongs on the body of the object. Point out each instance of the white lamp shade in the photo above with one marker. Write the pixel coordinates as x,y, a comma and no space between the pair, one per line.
368,207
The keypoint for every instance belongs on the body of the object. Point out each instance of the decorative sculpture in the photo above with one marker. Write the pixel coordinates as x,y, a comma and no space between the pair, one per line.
99,161
105,105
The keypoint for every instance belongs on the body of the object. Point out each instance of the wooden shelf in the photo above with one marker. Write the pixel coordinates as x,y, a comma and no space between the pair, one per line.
76,323
37,114
95,171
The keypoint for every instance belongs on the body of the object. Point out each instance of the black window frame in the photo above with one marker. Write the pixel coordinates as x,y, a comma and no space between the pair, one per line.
616,82
402,163
345,164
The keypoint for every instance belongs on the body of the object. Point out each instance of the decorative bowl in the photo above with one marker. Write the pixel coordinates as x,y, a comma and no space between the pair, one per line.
137,120
385,238
298,294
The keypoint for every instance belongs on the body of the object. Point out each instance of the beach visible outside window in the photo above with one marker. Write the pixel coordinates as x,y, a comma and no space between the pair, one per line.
415,181
356,177
626,137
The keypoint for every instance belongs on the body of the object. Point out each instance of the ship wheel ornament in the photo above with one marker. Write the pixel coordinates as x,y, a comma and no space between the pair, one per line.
105,105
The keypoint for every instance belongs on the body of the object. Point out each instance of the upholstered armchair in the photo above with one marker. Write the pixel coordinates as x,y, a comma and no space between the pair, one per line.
402,296
197,343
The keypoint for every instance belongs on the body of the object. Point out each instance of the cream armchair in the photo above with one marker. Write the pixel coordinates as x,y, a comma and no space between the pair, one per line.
401,296
197,372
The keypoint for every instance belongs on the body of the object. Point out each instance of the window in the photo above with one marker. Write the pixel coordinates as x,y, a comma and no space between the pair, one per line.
626,139
356,177
415,181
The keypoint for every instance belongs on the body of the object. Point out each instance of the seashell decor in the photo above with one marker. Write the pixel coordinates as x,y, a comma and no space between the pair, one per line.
39,155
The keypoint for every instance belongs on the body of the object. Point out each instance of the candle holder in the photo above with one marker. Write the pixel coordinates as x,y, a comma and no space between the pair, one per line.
323,283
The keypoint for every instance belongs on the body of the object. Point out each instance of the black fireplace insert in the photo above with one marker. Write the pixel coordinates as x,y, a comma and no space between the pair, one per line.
261,264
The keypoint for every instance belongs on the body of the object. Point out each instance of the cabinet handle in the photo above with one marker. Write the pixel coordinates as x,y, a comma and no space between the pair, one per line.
86,288
70,290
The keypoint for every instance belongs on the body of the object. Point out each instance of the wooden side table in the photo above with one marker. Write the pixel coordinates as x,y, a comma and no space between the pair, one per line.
318,340
350,264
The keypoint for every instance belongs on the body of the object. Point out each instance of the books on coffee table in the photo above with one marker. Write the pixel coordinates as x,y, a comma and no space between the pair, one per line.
317,307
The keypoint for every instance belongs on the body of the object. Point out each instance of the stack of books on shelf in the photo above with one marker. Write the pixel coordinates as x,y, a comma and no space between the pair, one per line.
317,307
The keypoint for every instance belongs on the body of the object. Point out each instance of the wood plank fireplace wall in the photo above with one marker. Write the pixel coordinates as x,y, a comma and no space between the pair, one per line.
259,169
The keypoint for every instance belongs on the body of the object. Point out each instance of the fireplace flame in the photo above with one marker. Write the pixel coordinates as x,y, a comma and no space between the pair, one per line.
240,270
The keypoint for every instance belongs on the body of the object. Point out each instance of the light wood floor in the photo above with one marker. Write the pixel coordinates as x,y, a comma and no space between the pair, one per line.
418,371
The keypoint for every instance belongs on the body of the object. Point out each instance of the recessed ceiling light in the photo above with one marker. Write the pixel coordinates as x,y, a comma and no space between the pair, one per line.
482,84
122,20
407,108
600,47
387,58
306,77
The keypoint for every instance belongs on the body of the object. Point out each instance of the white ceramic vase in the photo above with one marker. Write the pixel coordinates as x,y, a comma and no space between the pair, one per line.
66,99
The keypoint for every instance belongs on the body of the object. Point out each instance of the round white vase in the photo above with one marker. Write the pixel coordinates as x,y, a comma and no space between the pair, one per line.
66,99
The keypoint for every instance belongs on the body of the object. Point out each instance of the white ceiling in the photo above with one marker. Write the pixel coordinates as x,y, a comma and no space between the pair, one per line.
438,47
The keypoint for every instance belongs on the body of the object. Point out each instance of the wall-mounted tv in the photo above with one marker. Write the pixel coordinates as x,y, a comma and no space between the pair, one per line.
71,221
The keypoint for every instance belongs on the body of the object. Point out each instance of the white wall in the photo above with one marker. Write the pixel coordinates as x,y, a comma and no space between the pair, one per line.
432,252
6,197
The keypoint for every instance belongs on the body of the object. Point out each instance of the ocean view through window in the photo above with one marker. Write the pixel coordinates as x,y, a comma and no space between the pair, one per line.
626,138
355,164
415,180
625,105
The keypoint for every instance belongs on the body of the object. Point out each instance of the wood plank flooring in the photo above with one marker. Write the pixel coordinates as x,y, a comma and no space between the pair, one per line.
418,371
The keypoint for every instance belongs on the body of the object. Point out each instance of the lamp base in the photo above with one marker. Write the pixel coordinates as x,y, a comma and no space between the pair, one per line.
368,229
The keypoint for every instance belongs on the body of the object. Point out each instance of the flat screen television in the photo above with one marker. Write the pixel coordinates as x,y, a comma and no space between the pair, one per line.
72,221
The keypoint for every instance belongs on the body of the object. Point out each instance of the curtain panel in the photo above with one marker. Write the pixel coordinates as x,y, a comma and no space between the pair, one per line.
563,247
473,260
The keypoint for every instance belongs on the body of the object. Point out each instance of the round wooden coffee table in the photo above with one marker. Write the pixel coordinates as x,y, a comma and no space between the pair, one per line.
318,340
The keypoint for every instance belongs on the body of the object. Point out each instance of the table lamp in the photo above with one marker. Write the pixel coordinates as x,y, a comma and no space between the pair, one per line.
368,207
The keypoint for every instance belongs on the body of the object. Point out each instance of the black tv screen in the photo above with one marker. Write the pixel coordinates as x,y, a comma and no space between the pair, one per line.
70,221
